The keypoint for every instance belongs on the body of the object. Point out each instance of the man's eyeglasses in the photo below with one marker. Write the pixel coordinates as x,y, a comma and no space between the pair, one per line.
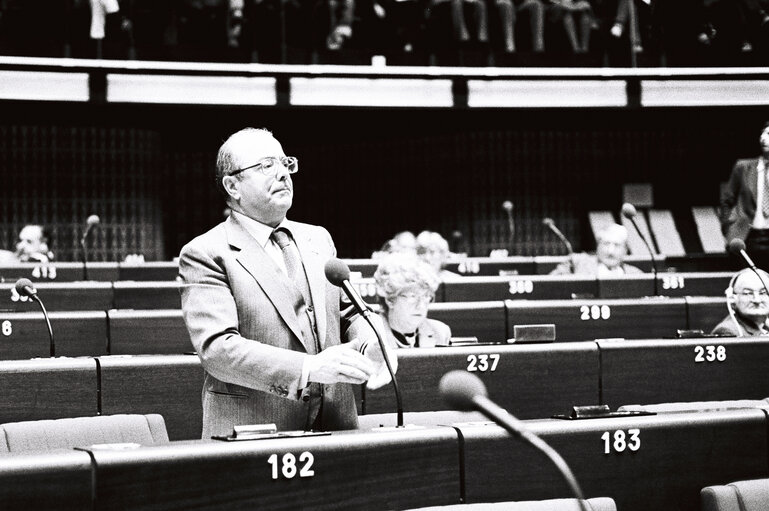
269,165
749,293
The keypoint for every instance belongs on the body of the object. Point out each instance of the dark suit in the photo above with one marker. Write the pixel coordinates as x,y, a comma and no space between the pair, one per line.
738,200
242,322
727,327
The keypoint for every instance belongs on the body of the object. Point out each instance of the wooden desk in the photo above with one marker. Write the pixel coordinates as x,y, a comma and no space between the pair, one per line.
59,272
394,469
154,271
57,480
530,287
580,320
145,332
705,313
47,389
484,320
655,371
24,335
59,296
529,380
147,295
166,384
677,455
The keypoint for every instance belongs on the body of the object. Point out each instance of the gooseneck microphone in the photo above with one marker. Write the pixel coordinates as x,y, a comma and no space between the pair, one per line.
629,212
338,273
548,222
508,207
737,246
91,222
24,287
465,392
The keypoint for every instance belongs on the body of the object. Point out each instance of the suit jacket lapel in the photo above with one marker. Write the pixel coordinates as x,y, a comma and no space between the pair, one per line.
316,276
255,261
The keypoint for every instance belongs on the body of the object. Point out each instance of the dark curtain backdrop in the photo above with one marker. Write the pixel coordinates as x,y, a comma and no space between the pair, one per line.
364,174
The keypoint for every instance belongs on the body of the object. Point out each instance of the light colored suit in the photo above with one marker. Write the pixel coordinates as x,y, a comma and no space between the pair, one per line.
241,320
738,200
587,264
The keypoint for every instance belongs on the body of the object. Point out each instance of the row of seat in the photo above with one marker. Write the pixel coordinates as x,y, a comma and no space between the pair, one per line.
532,381
134,332
642,462
471,266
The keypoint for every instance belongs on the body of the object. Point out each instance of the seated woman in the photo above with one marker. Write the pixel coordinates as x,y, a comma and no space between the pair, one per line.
406,286
434,250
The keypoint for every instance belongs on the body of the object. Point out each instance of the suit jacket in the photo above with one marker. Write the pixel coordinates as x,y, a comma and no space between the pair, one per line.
727,327
241,320
431,333
587,264
738,199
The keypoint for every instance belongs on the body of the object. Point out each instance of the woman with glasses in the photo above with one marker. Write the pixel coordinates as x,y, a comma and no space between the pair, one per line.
406,286
747,302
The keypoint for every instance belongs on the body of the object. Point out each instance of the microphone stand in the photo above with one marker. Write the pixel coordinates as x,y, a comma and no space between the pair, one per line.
47,322
85,254
648,247
398,400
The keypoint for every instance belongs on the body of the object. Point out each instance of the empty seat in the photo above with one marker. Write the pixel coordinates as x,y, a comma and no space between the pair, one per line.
750,495
46,435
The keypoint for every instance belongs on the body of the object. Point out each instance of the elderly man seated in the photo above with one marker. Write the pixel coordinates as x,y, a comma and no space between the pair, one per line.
609,258
747,304
31,247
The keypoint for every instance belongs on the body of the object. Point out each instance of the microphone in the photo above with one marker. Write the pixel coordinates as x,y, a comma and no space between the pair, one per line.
466,392
91,222
629,212
548,222
737,246
24,287
508,207
338,274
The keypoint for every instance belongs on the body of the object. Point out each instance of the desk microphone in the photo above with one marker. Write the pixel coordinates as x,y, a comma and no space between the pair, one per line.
466,392
338,273
24,287
629,212
737,246
508,207
91,222
548,222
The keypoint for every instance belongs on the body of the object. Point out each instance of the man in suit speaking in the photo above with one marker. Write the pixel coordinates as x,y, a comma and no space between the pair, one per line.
263,319
745,202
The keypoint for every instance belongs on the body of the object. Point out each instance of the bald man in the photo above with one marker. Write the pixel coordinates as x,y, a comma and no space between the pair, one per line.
748,306
32,245
609,258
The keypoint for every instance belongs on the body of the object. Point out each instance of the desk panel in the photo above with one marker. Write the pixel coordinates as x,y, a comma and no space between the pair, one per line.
532,381
147,295
626,286
704,313
532,287
545,264
24,335
47,389
485,266
146,332
579,320
484,320
676,456
57,480
64,296
651,371
693,284
59,272
166,384
154,271
394,469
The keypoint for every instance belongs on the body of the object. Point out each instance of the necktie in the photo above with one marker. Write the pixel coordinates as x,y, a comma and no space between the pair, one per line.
293,262
765,184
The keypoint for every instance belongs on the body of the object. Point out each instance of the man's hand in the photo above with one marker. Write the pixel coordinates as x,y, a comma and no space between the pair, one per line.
339,364
368,344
